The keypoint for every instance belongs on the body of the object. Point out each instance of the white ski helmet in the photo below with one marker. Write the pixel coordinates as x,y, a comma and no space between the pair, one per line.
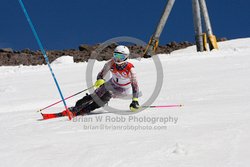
121,54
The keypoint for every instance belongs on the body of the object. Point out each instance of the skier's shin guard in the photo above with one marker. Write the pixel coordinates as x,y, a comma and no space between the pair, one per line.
83,100
99,102
96,102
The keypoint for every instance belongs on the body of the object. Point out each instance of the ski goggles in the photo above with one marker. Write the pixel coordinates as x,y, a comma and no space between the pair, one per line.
119,57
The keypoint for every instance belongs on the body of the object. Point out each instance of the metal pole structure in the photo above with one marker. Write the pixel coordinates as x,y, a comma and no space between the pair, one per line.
211,38
197,25
154,41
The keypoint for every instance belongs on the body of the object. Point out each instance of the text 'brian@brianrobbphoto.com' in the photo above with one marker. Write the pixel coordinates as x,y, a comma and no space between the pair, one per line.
131,122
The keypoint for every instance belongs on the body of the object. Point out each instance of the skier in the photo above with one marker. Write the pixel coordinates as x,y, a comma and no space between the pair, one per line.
123,78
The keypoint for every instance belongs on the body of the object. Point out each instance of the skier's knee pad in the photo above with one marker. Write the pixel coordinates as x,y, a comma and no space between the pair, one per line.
106,97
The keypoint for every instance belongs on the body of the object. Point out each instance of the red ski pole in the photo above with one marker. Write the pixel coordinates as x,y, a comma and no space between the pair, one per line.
65,99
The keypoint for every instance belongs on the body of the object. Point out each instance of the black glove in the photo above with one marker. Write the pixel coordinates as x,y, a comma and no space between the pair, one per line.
134,106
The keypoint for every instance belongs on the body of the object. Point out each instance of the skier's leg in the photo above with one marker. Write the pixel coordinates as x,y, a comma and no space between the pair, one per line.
96,103
81,103
83,100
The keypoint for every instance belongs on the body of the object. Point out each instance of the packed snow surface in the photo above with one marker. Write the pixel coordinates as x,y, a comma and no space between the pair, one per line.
211,129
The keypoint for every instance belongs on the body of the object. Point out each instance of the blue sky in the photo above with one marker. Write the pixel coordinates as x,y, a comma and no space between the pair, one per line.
66,24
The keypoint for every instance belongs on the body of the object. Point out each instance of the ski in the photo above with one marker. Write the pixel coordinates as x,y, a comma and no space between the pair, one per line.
55,115
72,115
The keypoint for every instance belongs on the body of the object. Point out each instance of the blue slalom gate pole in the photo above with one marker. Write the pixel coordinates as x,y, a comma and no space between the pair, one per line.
44,54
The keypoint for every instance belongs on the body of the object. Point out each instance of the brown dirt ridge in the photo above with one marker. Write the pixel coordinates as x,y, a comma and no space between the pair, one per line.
9,57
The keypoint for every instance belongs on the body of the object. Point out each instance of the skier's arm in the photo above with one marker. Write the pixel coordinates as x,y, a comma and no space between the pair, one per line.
104,70
134,83
134,106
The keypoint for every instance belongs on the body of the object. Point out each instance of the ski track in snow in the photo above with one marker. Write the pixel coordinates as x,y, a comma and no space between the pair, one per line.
212,127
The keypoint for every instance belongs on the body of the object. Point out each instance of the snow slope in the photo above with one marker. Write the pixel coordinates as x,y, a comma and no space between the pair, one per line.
210,130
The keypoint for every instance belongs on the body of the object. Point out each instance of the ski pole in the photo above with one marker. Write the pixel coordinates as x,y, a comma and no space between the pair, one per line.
163,106
65,99
44,54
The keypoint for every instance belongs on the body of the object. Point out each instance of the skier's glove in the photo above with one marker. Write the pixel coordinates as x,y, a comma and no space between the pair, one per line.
134,106
99,82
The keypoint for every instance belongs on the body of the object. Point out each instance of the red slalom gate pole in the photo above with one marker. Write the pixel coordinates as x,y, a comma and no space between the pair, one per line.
163,106
64,99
